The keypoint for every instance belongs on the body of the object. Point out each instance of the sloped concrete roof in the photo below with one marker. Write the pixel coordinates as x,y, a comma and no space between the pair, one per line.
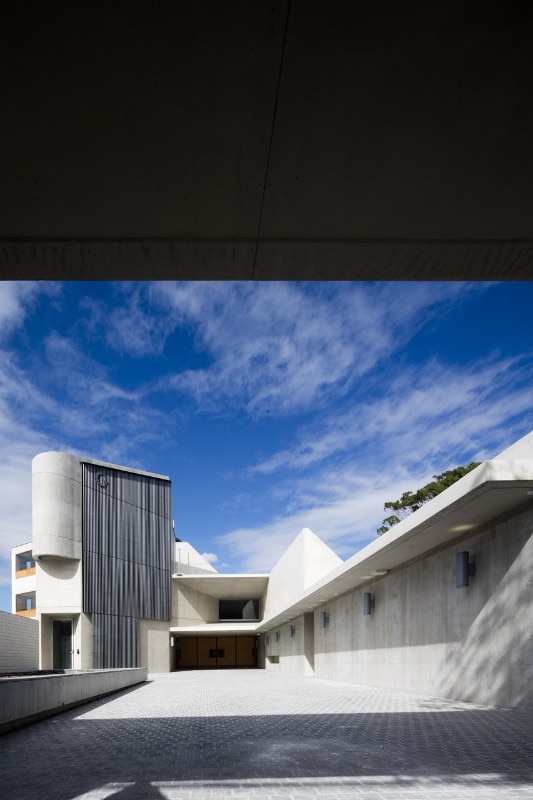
495,487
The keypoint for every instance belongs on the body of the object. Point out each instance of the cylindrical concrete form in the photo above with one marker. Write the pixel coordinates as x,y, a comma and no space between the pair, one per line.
56,498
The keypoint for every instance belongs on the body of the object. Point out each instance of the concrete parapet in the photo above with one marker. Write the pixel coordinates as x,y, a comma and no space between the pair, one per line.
25,699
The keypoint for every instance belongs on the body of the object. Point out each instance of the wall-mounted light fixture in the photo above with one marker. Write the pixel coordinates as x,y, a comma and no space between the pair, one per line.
267,639
292,631
324,619
277,636
172,641
464,569
369,603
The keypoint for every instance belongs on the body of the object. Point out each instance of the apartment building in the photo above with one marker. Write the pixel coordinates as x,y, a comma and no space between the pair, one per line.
23,584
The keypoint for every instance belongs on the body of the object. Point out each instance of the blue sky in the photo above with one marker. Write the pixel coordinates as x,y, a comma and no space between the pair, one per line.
271,406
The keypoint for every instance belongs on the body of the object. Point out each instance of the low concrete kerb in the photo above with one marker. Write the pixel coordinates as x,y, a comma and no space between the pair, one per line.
28,698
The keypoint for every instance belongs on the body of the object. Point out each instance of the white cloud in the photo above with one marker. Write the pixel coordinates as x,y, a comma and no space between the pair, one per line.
431,419
211,558
280,347
346,520
453,406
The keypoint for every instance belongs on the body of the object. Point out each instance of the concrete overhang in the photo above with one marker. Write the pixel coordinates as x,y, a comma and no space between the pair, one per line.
216,629
251,140
226,587
494,488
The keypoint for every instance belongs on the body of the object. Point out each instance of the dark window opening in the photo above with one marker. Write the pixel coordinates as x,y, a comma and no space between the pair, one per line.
234,610
25,561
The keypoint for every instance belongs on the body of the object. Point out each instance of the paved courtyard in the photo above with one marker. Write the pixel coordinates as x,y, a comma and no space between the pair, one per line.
255,734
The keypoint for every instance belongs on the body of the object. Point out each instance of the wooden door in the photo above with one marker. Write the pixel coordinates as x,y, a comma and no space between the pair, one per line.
246,651
226,651
188,655
207,651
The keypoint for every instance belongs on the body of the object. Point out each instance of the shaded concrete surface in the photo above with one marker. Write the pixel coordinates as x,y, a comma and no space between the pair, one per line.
251,733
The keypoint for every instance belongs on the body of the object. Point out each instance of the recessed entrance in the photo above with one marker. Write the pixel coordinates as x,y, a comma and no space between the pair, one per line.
62,643
216,652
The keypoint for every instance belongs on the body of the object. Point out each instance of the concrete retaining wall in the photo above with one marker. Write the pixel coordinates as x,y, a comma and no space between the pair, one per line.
19,643
425,635
27,699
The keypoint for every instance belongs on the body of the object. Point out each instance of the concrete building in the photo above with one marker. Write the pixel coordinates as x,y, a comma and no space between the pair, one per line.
441,604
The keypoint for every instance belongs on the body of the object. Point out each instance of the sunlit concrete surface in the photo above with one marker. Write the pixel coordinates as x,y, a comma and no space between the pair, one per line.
251,733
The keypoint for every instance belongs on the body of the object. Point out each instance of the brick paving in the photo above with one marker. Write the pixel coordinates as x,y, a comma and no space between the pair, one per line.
255,734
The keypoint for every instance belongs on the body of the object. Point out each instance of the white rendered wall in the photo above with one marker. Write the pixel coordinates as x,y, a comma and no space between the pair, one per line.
24,584
425,635
59,586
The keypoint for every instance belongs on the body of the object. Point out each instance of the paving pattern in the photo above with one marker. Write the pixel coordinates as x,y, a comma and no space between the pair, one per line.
254,734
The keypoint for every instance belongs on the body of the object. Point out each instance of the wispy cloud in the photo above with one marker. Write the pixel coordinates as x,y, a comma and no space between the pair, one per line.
280,348
342,472
16,297
211,558
452,405
346,520
56,396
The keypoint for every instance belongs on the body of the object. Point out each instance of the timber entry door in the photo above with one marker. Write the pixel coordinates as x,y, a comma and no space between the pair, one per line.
212,652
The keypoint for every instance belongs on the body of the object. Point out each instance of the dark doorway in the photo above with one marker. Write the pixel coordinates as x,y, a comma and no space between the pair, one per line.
212,652
62,643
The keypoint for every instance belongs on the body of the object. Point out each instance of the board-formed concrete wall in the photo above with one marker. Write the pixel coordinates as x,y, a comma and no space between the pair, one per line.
424,634
190,607
19,643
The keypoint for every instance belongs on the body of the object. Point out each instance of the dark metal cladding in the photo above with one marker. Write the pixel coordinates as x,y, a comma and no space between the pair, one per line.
127,541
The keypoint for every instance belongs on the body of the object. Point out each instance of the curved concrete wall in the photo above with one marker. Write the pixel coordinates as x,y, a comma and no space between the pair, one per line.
56,498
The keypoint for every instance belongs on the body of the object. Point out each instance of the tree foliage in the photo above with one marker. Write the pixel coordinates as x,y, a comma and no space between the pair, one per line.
412,501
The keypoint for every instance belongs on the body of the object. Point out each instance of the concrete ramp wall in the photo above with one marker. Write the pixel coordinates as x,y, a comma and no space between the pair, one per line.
26,699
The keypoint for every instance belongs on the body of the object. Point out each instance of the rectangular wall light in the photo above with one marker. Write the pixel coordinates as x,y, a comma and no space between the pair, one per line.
292,631
368,603
464,569
324,619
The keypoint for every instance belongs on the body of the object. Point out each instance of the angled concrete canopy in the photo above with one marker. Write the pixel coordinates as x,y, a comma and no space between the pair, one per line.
252,140
495,487
225,586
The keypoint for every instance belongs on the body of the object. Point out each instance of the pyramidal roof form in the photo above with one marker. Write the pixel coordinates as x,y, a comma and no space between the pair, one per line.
304,562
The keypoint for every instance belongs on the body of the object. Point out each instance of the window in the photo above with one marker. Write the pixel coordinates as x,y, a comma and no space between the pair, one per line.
24,561
26,602
234,610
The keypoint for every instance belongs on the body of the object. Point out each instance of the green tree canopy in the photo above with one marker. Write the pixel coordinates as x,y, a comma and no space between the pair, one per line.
412,501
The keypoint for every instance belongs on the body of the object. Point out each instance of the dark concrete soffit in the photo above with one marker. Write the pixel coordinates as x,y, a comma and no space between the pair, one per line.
265,260
263,141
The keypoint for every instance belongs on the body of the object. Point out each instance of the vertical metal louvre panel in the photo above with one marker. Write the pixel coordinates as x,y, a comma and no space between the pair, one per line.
127,540
115,641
